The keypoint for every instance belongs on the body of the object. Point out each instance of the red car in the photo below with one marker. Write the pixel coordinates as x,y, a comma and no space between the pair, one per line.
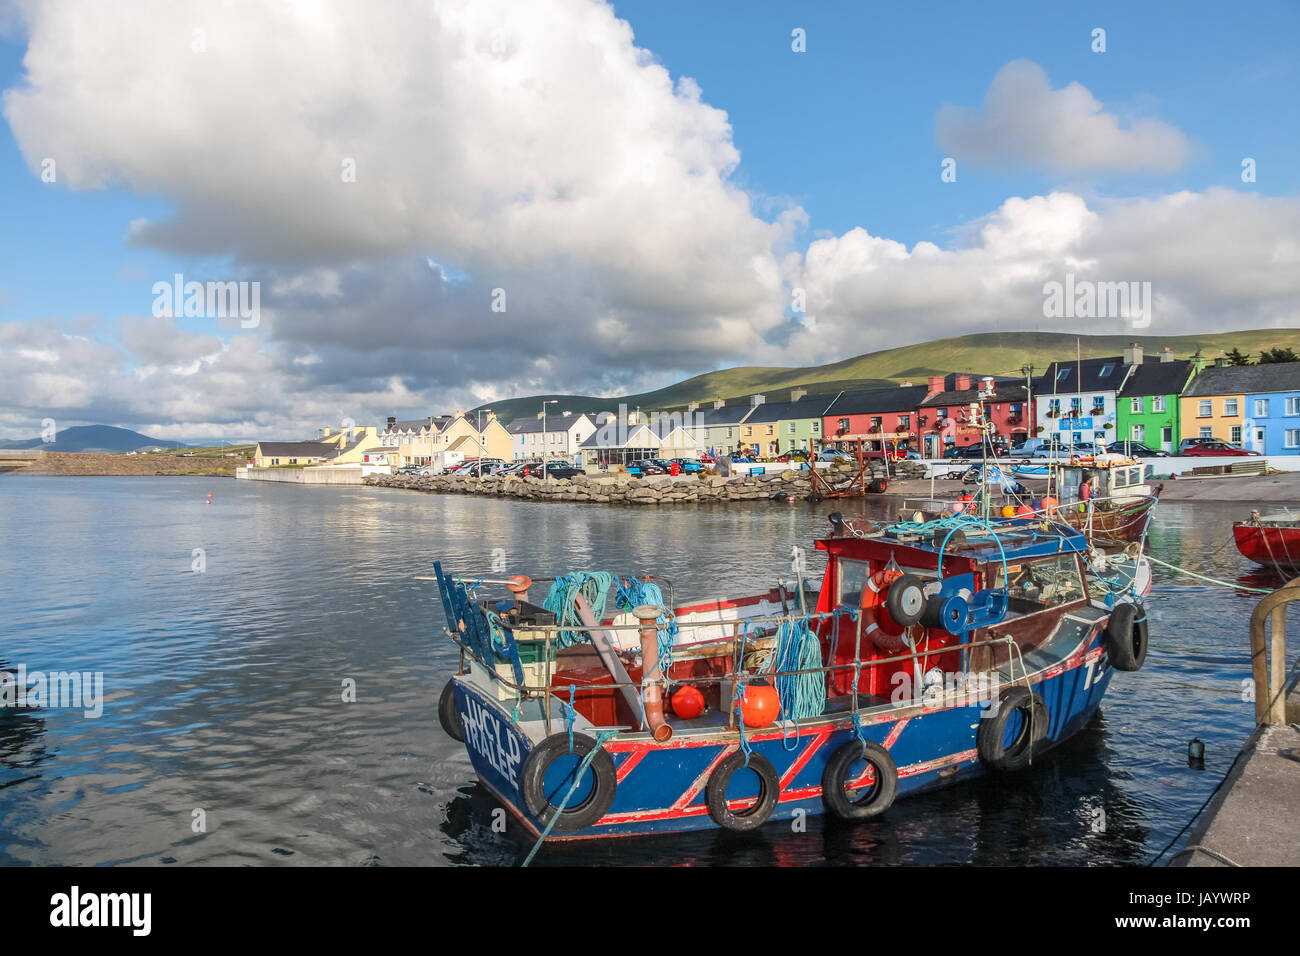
1211,447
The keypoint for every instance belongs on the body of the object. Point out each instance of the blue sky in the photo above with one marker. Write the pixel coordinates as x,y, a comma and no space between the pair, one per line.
845,131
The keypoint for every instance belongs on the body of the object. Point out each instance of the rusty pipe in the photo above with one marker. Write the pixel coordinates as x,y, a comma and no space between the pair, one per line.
652,695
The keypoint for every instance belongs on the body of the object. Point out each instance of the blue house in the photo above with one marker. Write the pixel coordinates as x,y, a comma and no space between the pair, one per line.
1272,407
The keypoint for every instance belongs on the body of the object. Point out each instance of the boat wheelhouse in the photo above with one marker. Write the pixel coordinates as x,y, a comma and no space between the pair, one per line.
933,651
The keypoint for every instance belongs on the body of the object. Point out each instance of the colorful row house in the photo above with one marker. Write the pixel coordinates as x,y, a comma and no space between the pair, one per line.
1256,407
446,440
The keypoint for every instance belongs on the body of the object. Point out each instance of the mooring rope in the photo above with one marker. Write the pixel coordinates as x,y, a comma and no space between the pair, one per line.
601,738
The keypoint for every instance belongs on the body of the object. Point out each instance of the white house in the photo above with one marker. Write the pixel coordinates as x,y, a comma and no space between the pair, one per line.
1075,401
559,436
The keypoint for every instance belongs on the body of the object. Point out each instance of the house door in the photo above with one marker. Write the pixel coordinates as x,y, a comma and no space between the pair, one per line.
931,446
1259,440
1167,438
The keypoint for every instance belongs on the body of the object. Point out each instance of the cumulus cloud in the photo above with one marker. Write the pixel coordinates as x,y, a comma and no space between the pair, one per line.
1026,123
528,156
1215,260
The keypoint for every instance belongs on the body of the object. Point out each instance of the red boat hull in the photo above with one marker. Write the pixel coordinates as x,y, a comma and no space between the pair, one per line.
1268,545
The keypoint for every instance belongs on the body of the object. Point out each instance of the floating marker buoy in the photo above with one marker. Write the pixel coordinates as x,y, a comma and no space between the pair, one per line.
688,702
1008,511
759,705
1024,510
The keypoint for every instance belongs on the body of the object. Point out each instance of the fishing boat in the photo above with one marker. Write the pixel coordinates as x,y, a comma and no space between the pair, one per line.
1270,540
933,651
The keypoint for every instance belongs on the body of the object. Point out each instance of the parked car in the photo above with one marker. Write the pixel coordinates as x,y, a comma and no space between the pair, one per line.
1135,448
1058,450
833,454
797,454
515,468
478,466
964,451
1210,447
410,469
689,465
555,469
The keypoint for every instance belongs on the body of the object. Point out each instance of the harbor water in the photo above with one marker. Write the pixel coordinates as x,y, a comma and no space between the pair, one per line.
271,670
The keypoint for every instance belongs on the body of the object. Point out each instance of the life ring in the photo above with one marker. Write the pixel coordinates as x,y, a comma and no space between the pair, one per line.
576,815
872,800
1126,637
874,617
769,792
999,754
447,715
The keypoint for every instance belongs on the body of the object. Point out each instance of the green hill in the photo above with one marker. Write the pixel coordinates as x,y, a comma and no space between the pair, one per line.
991,353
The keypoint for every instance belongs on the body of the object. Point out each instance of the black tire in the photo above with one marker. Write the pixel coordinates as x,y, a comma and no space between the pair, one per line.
988,739
932,614
1126,637
875,799
447,715
906,600
769,792
575,816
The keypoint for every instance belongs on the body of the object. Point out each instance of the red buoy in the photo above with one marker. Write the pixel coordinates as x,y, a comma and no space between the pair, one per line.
688,702
759,705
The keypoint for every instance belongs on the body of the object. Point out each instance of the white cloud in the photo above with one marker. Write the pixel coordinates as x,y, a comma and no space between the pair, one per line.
1026,123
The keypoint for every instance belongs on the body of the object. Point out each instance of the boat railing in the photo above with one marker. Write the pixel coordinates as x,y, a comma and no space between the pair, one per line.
1268,653
917,656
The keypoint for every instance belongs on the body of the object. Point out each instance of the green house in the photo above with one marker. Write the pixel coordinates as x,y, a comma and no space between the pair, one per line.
1147,404
778,427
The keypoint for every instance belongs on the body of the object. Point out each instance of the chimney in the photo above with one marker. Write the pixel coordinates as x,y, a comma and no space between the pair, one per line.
718,403
1133,354
756,400
936,385
459,413
1166,355
961,383
986,385
490,416
691,406
797,393
392,422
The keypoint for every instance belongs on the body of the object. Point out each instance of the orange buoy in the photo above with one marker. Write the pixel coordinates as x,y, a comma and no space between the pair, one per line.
1008,511
1050,504
759,705
688,702
1024,510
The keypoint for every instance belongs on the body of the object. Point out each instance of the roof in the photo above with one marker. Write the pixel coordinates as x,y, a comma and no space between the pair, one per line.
806,407
1065,376
1247,379
1002,392
295,449
413,425
554,423
1154,377
462,440
709,417
618,436
905,398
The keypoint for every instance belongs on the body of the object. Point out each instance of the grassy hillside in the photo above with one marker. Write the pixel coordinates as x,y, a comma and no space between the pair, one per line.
993,353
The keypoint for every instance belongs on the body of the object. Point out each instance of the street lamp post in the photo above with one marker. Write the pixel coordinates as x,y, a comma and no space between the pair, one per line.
546,472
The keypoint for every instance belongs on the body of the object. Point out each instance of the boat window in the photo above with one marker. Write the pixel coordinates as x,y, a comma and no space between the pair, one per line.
853,577
1046,583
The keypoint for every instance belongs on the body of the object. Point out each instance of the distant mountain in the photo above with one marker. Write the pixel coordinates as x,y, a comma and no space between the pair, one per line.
94,439
984,353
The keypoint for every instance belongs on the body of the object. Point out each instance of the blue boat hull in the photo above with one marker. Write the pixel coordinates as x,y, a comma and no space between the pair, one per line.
661,787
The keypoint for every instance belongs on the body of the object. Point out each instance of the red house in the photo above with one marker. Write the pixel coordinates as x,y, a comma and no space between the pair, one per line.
946,410
875,415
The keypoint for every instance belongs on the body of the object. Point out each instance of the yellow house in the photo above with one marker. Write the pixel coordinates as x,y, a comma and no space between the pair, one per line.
280,454
351,444
1208,409
420,446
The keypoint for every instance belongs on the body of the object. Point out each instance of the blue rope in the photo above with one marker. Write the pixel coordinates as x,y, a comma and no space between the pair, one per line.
570,715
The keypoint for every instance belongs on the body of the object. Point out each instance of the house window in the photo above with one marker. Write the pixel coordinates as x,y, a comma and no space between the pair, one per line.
1207,432
1105,370
1054,406
1293,438
876,421
903,422
941,413
844,424
1293,406
1261,408
1138,432
1135,406
791,428
1076,407
1062,375
749,432
1098,404
1158,403
1235,435
1229,406
729,434
1204,409
817,425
